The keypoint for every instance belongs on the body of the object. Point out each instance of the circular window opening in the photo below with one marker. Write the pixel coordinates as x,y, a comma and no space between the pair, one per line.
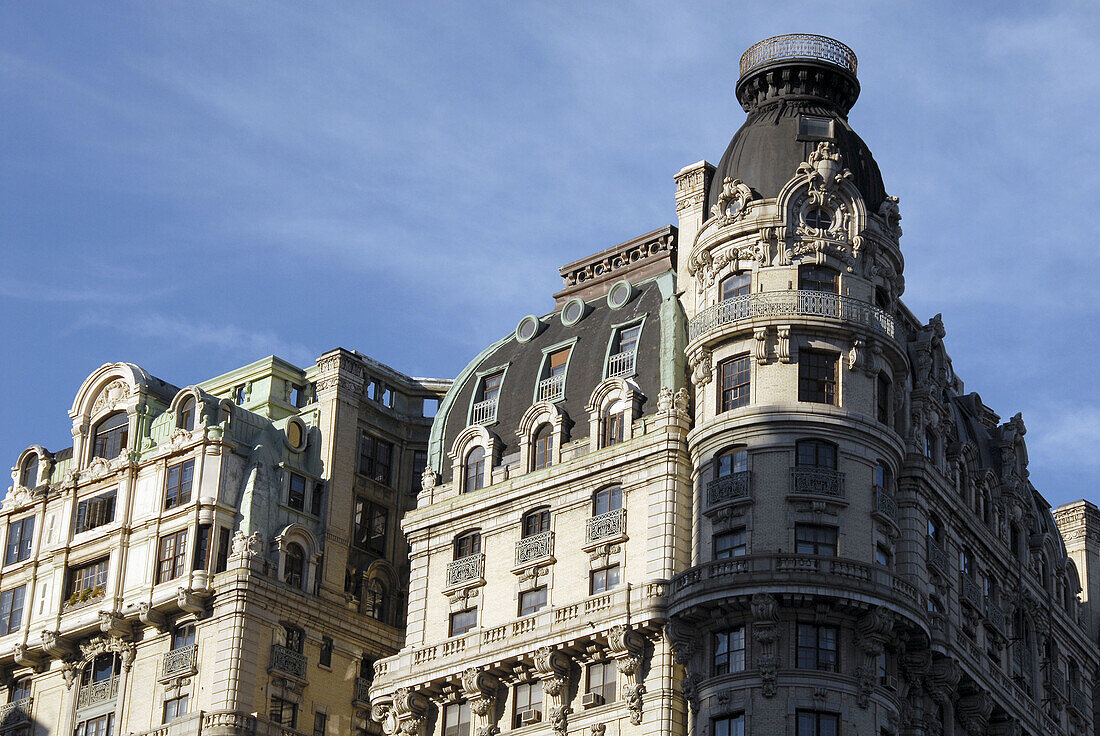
528,327
295,435
573,311
820,218
735,205
619,294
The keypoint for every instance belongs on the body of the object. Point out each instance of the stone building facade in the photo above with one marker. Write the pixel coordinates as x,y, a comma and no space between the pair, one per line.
732,485
218,559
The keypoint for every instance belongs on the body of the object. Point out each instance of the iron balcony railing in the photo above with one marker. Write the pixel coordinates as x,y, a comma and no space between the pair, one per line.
605,526
937,558
96,693
1055,681
798,46
288,661
535,547
16,712
552,388
179,660
885,504
466,569
362,690
805,303
1077,700
970,591
812,481
994,616
621,364
484,412
728,488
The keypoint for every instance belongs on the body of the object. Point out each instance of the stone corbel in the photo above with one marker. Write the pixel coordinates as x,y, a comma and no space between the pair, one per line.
700,363
480,690
25,658
943,680
760,335
627,647
552,668
872,630
149,616
114,624
974,710
783,348
765,632
405,716
56,645
190,601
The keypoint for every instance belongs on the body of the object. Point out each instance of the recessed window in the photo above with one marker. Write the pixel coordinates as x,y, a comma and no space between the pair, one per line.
325,658
296,492
729,725
463,621
815,454
317,500
177,484
729,651
536,522
94,512
531,601
816,723
812,126
883,558
371,522
377,603
187,414
320,723
294,565
882,399
456,719
930,445
607,499
817,372
730,461
817,278
171,552
527,697
733,380
883,477
98,726
174,708
486,398
20,536
20,690
614,424
109,436
420,462
601,681
283,712
543,456
819,218
11,609
183,636
815,539
604,579
295,638
375,458
28,475
817,647
467,544
87,580
240,393
734,285
474,470
730,544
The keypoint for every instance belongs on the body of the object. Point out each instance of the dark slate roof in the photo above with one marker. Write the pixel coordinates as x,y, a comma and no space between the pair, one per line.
586,368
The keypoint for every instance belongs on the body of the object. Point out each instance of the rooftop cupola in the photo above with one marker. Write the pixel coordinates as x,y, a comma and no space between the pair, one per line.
797,90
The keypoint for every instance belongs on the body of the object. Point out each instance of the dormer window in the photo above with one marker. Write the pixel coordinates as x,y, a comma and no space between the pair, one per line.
485,401
110,435
544,447
28,474
552,385
624,350
187,414
734,285
819,218
614,423
475,470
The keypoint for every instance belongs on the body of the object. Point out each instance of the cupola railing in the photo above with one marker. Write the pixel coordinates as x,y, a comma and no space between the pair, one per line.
802,303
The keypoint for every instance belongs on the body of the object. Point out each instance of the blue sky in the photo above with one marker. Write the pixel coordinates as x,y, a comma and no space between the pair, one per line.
191,186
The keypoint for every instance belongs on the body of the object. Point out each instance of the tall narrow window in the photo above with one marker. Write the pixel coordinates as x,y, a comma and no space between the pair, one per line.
883,477
375,458
614,423
420,462
815,539
320,723
294,564
536,522
485,401
296,492
183,636
601,681
817,647
20,536
729,651
11,609
170,556
882,399
19,690
456,719
607,499
528,704
734,285
817,373
371,521
733,379
325,657
930,445
109,436
187,414
28,475
544,447
317,499
283,712
475,470
177,485
295,638
817,278
202,547
225,536
622,359
552,385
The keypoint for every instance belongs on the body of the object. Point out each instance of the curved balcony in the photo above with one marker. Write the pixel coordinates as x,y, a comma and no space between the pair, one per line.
713,583
767,306
798,46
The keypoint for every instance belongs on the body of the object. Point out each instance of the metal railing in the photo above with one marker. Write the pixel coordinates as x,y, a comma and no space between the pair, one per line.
728,487
790,303
970,591
362,690
288,661
885,504
936,556
812,481
552,388
1055,681
95,693
994,616
179,660
621,364
484,412
605,526
14,713
534,547
466,569
1077,700
798,46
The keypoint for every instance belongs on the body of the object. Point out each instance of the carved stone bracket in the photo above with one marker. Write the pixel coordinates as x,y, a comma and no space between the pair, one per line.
113,623
552,668
627,647
784,345
974,709
943,680
56,645
404,716
701,371
760,335
765,632
480,689
149,616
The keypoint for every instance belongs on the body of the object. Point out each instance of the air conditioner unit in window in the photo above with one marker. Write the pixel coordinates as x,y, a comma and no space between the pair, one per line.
532,715
591,700
890,682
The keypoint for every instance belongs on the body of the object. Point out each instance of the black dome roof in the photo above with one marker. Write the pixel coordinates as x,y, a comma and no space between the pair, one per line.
782,79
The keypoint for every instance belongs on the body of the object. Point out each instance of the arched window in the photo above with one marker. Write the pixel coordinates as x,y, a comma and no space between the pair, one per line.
544,447
734,285
536,522
1014,539
816,454
614,423
475,470
187,414
466,544
294,565
28,475
109,436
377,600
729,461
606,500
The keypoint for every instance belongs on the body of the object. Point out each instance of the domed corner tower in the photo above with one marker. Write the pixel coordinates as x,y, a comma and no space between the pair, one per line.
794,614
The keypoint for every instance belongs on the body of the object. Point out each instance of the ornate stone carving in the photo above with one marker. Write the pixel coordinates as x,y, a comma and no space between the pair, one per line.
974,710
113,394
733,201
823,170
664,399
784,344
247,547
701,369
428,480
682,402
627,647
113,623
760,336
56,645
552,668
149,616
480,689
889,212
765,631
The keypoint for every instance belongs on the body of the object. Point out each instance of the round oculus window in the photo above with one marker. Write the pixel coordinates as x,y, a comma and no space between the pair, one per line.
819,217
295,434
573,311
619,294
528,327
